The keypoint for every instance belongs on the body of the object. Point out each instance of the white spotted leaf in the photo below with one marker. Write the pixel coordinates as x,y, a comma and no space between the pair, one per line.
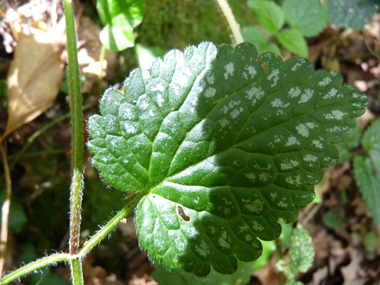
223,143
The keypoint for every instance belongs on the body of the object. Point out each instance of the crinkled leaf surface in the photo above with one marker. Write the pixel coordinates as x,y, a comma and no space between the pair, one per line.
366,169
351,141
269,14
352,13
119,18
302,252
240,277
221,149
307,16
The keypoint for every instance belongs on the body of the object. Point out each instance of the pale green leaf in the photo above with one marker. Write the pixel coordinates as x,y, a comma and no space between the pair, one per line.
17,217
257,37
269,15
119,18
293,41
309,17
220,149
302,252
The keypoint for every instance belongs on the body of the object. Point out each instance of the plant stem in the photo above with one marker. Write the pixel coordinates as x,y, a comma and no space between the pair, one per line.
5,212
235,28
102,57
76,271
102,233
76,144
280,258
76,128
35,265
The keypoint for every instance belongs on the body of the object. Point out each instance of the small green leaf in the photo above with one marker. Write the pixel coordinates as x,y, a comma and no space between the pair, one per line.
46,277
286,234
333,220
257,37
119,18
164,277
302,252
293,41
367,176
17,217
351,141
306,16
269,15
371,241
352,13
220,149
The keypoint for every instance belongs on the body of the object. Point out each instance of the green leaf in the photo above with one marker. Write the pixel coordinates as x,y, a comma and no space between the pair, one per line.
286,234
306,16
371,137
269,15
367,176
352,13
293,282
46,277
146,55
293,41
17,217
257,37
371,241
119,18
351,141
302,252
240,277
221,149
366,170
333,220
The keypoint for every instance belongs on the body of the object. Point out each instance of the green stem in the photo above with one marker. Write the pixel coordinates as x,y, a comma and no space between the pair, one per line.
75,259
76,143
102,233
102,57
35,265
76,271
76,129
280,258
235,28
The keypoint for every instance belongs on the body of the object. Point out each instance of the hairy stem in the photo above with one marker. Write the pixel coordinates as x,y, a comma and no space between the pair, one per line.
101,234
5,212
35,265
235,28
76,129
76,144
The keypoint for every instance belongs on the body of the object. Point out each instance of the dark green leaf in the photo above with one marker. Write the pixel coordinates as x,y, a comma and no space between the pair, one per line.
351,141
371,241
221,149
119,18
352,13
307,16
269,15
240,277
17,217
257,37
293,41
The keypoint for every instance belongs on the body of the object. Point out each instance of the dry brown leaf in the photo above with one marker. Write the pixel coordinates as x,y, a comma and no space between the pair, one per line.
34,79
